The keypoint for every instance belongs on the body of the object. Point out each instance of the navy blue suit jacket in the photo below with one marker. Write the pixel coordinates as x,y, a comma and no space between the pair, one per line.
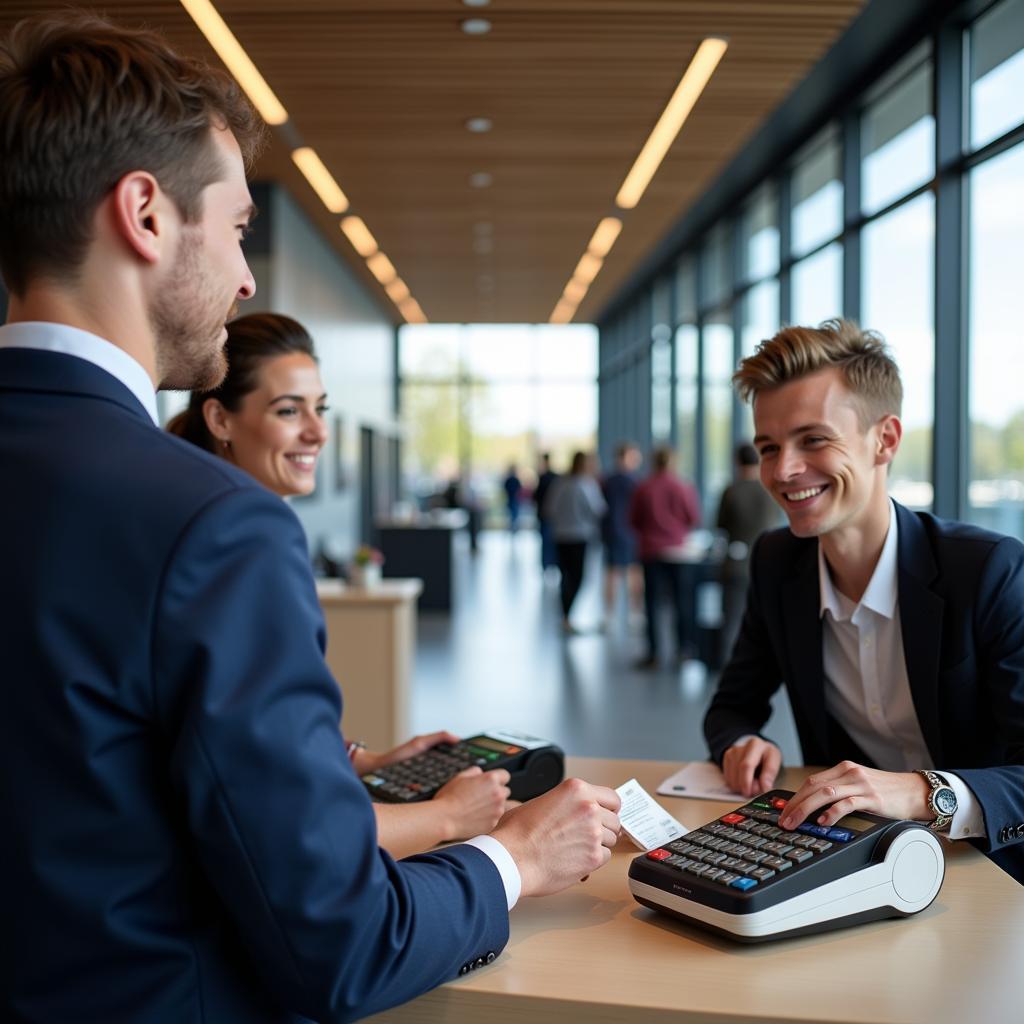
184,837
961,602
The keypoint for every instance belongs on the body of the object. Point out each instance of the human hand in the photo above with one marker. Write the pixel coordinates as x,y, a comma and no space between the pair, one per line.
562,836
472,802
851,787
751,767
367,761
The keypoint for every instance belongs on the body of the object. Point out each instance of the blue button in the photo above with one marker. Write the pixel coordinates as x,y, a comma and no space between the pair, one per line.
743,884
840,835
808,830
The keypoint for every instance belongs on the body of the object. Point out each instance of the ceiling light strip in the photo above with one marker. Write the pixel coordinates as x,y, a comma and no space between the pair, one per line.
237,61
270,108
674,116
696,76
320,179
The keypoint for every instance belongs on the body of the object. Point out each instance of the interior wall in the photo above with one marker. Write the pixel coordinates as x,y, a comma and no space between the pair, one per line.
304,279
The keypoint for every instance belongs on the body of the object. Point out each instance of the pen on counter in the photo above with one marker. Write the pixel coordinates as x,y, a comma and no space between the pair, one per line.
678,789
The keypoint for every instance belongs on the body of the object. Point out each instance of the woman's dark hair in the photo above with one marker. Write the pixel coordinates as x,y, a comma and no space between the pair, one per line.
251,341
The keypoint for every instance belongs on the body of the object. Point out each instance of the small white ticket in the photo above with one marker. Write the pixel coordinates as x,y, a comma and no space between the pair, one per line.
646,823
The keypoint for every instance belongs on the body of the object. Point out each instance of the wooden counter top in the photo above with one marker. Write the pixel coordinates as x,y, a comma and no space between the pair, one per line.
594,955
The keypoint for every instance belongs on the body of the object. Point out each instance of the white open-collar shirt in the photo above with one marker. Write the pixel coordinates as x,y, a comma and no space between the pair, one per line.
867,690
49,337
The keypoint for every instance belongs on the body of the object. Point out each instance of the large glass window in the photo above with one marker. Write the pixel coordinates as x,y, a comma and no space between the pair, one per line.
476,398
897,272
760,322
817,284
996,495
718,370
817,194
687,382
898,138
716,267
759,234
997,72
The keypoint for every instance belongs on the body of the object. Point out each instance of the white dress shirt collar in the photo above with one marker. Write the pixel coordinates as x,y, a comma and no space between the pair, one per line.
882,590
71,341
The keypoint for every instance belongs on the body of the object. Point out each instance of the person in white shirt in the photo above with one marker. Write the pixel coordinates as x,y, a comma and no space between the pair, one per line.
899,636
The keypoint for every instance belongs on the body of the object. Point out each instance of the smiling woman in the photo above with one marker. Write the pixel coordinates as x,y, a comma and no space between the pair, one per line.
267,415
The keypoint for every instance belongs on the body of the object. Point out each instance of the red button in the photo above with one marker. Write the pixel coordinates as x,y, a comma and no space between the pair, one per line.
659,854
778,803
731,819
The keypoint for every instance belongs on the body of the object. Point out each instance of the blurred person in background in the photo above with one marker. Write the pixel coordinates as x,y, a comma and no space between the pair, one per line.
545,478
513,488
620,558
744,513
574,506
663,511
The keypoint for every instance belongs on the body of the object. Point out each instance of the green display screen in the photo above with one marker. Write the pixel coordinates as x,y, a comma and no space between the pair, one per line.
486,743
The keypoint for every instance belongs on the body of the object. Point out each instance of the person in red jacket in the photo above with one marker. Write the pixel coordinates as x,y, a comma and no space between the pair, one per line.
662,512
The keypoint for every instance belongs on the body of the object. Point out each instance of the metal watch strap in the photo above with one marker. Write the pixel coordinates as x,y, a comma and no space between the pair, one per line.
941,822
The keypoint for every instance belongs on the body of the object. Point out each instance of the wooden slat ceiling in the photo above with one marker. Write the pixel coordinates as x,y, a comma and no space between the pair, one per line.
383,88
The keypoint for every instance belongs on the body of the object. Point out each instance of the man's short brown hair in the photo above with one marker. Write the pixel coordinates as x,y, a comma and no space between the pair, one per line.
84,102
862,357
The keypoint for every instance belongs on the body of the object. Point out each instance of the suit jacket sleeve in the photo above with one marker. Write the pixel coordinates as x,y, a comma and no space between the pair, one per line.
279,822
999,642
742,702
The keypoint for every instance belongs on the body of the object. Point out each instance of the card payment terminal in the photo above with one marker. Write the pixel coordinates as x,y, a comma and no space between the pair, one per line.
535,766
744,877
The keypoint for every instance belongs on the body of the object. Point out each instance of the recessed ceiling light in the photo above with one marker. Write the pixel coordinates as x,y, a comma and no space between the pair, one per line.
475,26
475,3
485,283
483,246
479,125
483,227
481,179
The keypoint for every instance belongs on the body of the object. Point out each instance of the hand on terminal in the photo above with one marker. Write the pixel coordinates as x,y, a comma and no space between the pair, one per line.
560,837
851,787
365,761
751,767
472,802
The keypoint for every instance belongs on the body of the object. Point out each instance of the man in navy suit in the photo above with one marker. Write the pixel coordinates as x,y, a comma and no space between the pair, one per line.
900,637
184,836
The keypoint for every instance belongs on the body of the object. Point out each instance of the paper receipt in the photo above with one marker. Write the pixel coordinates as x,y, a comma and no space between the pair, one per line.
646,823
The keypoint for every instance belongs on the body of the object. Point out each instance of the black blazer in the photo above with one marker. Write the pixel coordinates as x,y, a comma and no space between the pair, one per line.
961,601
185,840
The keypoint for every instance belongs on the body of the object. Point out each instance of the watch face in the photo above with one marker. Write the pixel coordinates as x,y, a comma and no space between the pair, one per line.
945,801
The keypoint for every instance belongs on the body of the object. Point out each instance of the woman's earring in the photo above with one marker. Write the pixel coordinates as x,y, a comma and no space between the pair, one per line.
227,445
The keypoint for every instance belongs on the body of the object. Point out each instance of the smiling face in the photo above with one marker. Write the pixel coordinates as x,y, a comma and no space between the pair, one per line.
278,431
826,471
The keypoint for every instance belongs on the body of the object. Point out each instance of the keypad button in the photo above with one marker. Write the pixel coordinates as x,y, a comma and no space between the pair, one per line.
743,884
747,824
778,848
659,855
805,841
840,835
812,830
757,856
744,868
757,842
714,858
698,869
733,863
821,845
731,819
800,855
763,874
778,803
726,877
700,838
777,864
773,833
714,874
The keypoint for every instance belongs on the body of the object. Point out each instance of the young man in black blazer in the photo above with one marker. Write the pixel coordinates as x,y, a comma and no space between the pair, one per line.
899,636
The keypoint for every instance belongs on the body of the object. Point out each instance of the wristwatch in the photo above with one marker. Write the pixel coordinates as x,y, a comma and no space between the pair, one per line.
941,800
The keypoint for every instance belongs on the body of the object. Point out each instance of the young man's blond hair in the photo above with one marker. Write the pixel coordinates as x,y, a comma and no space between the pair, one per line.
862,357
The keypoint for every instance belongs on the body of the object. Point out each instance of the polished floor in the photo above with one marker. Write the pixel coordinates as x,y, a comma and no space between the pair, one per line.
501,660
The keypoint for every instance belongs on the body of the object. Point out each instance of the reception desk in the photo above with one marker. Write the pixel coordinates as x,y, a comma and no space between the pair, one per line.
592,954
371,644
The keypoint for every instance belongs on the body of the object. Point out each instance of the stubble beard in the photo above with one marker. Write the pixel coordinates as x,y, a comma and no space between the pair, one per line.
187,321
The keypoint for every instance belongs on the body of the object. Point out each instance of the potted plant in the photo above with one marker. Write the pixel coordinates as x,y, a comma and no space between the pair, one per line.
365,568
